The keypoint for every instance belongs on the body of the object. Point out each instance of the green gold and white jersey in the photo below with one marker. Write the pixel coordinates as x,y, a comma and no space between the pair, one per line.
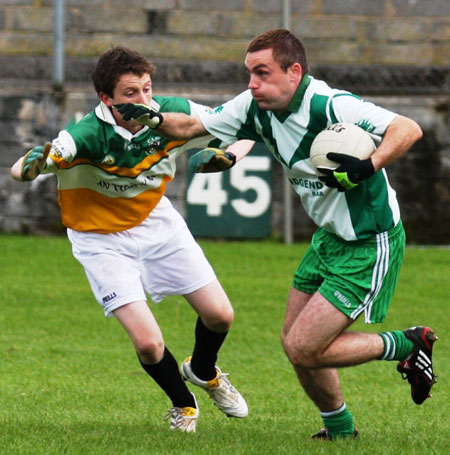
109,179
366,210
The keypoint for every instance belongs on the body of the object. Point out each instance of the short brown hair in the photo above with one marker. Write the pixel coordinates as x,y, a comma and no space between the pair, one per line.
114,63
287,48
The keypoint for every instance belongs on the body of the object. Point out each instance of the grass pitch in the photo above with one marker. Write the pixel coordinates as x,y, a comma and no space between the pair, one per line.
70,382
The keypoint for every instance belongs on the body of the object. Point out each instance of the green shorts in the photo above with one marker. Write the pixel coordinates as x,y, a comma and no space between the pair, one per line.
356,277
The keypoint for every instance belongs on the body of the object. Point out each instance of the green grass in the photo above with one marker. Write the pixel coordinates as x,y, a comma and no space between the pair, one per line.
70,382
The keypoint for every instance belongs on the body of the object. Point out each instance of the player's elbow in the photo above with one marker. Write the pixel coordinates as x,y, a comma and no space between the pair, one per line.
416,131
15,176
15,170
412,132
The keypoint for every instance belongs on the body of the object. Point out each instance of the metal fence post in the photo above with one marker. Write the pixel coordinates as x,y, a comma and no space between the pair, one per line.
287,190
58,43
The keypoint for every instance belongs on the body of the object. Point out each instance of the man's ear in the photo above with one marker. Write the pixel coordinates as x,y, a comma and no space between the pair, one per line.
104,98
296,72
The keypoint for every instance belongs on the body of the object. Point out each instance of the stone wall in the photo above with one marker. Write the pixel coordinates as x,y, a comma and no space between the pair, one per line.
367,31
358,32
392,51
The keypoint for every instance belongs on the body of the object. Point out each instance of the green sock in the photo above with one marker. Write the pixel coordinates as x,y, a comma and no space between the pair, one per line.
396,345
339,423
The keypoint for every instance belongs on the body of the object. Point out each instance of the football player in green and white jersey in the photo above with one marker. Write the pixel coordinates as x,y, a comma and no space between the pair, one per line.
112,174
352,266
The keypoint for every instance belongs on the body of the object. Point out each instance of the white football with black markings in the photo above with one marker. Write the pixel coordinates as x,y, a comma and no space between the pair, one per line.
345,138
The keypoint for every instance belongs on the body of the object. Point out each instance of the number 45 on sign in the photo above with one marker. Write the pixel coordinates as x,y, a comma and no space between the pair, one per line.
212,191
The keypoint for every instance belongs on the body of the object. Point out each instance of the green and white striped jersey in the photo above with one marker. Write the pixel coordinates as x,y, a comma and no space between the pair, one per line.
360,213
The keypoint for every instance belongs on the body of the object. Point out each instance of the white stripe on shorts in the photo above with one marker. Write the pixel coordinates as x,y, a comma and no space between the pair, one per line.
379,272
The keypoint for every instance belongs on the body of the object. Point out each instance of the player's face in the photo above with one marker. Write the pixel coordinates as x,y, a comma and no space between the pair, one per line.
130,88
271,87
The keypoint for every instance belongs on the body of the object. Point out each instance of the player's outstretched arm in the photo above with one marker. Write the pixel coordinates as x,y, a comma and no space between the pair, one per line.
173,125
31,165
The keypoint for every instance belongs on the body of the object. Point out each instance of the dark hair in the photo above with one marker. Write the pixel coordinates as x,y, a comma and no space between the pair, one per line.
287,49
114,63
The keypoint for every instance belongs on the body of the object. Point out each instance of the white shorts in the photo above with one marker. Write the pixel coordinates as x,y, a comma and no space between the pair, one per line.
159,257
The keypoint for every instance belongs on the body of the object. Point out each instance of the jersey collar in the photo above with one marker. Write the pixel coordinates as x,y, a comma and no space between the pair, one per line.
296,100
103,112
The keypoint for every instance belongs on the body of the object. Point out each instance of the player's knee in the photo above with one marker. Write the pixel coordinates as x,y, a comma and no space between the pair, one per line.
299,355
150,351
227,317
220,321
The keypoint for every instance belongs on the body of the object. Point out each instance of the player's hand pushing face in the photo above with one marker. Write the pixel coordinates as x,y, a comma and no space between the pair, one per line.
141,113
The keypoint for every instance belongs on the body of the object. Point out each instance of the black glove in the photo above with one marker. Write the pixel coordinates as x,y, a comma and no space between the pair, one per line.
141,113
351,172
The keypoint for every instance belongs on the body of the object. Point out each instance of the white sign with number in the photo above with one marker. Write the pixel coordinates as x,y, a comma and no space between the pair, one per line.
207,189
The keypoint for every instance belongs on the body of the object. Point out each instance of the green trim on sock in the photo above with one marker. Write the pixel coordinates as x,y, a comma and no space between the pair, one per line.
340,425
396,345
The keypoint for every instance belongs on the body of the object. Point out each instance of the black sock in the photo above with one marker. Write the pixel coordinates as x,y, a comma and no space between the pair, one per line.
166,374
207,345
